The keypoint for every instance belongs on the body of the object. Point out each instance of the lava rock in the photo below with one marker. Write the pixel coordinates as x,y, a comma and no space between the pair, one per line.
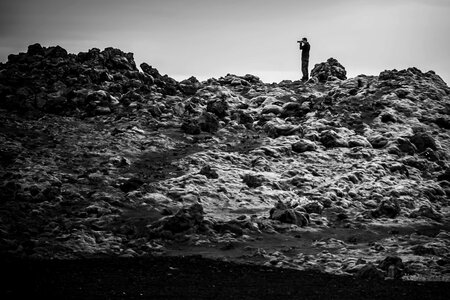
244,117
35,49
275,129
208,122
209,172
443,122
185,219
253,181
304,145
150,71
190,86
191,126
330,139
422,141
388,208
131,185
445,175
313,207
286,214
406,146
427,211
388,117
378,141
291,109
218,107
328,70
370,272
271,109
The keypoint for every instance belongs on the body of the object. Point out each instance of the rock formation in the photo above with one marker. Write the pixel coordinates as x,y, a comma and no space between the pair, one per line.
329,70
100,158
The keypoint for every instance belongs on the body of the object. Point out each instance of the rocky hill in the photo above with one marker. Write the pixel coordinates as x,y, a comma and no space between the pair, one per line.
346,176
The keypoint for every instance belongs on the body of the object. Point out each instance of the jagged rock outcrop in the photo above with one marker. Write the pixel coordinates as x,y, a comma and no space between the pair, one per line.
285,213
51,80
329,70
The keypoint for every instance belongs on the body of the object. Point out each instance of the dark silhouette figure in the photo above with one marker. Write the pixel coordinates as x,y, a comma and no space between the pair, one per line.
304,46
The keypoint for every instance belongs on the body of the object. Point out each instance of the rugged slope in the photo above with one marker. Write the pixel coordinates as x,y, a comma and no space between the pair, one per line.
348,176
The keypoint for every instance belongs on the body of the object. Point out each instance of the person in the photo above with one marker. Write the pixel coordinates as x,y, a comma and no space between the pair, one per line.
305,46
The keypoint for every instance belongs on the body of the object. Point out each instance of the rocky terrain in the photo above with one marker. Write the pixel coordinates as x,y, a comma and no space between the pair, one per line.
348,176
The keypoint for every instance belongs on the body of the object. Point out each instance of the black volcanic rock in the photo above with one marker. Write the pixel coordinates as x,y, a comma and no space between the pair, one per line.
191,126
445,175
388,208
208,122
303,146
35,49
147,69
330,138
422,141
209,172
286,214
97,156
190,86
328,70
218,107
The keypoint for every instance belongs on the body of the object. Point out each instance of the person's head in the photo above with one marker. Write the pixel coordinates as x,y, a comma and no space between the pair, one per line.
304,39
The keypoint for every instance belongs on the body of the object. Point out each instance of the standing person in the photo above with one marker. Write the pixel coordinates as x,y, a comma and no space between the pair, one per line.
304,46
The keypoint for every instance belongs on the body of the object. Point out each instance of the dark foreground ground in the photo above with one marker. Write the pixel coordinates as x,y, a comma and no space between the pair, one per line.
192,278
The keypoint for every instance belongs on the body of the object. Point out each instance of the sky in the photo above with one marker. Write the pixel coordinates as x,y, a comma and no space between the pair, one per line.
211,38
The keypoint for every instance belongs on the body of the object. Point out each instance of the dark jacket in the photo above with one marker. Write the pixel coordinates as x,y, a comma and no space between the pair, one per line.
305,50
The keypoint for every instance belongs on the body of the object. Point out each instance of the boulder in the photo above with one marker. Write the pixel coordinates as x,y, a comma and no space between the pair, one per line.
209,172
423,140
427,211
329,70
292,109
370,272
445,175
378,141
313,207
304,145
208,122
130,97
271,109
244,117
131,185
405,146
287,214
218,107
147,69
190,86
358,141
35,49
187,218
331,139
55,52
387,208
191,126
276,129
253,181
443,122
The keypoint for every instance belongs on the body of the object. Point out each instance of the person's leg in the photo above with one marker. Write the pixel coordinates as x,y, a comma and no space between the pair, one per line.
305,69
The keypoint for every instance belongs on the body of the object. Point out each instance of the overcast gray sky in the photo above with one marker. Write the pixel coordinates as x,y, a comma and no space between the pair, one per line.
210,38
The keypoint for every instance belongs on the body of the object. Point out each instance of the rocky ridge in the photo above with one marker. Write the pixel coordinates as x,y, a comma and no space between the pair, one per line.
348,176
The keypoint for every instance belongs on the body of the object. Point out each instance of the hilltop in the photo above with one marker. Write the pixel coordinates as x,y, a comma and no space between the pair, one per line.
348,176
